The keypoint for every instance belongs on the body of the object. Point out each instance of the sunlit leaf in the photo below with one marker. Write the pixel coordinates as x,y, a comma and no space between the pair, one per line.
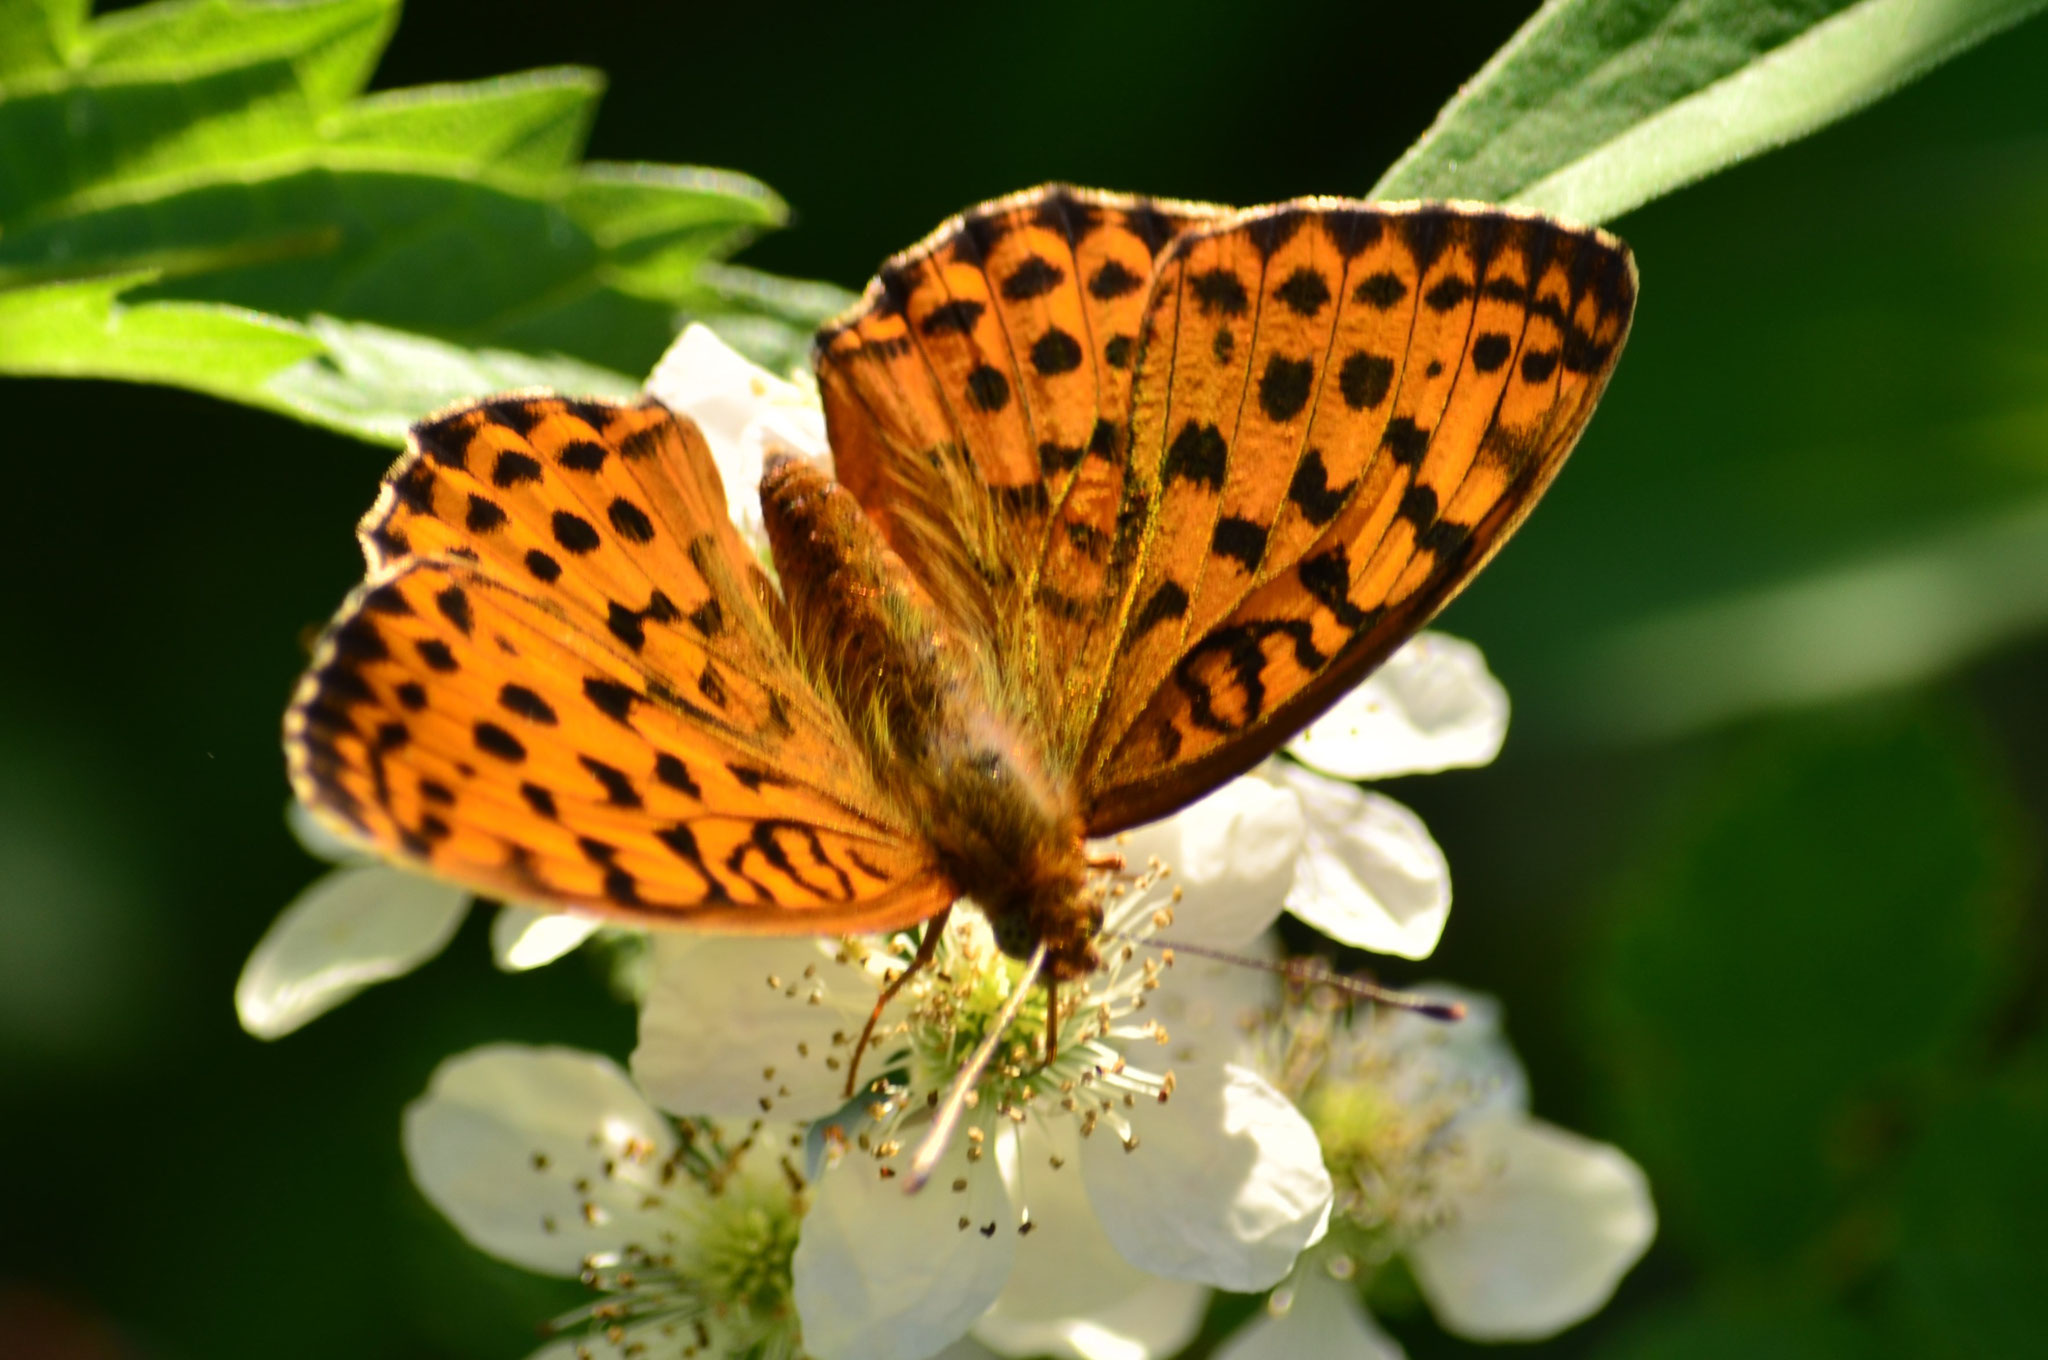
1598,106
197,194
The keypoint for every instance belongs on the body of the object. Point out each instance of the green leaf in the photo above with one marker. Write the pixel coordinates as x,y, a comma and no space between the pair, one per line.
80,329
536,122
331,45
1598,106
1824,931
375,382
38,35
196,194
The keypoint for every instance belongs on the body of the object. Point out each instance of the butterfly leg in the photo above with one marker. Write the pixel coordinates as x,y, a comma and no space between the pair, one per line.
1052,1022
926,949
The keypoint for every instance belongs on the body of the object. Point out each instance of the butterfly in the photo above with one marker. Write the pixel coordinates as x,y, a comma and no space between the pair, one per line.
1125,492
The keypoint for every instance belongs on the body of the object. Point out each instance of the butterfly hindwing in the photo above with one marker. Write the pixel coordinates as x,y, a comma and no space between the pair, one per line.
1340,411
564,680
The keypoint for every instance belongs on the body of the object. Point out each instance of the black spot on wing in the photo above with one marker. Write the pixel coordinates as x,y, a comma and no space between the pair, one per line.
514,468
630,520
1285,387
435,653
1168,601
1405,441
1305,291
387,599
1364,379
1490,351
624,624
1380,291
1312,493
610,698
1449,292
1327,578
988,389
517,698
672,772
1220,290
484,515
1352,230
495,740
1241,539
955,317
453,602
1267,234
1034,277
574,532
1197,454
618,789
1112,281
1055,352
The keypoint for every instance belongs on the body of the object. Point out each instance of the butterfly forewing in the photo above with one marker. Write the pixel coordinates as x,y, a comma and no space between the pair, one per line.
1340,411
564,680
1002,345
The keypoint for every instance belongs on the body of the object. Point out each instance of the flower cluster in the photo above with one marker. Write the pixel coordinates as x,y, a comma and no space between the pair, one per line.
1174,1125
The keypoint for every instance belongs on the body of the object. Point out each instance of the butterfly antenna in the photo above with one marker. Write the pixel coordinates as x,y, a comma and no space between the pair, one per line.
955,1104
1312,972
926,948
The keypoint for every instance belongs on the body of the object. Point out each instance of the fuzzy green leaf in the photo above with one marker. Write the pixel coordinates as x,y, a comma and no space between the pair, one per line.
1598,106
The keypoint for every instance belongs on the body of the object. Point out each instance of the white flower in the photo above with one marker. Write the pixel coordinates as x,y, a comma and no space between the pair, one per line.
1513,1228
1144,1143
550,1159
353,927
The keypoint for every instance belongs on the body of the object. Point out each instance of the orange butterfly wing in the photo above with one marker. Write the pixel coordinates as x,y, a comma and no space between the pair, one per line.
565,678
1002,345
1340,412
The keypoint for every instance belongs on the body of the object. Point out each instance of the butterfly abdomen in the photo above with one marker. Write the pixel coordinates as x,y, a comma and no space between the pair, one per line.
1005,831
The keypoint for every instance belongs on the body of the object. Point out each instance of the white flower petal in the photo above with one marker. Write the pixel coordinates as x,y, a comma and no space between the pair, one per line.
1226,1186
1212,1009
1155,1318
527,937
1470,1055
352,927
1369,873
1432,706
744,411
503,1134
713,1029
1232,854
1071,1292
881,1275
1542,1243
1323,1320
322,840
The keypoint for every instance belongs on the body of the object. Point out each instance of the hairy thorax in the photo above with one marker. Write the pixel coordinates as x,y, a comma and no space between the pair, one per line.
926,707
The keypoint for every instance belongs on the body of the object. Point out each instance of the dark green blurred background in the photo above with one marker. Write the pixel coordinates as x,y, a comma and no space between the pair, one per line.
1758,877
